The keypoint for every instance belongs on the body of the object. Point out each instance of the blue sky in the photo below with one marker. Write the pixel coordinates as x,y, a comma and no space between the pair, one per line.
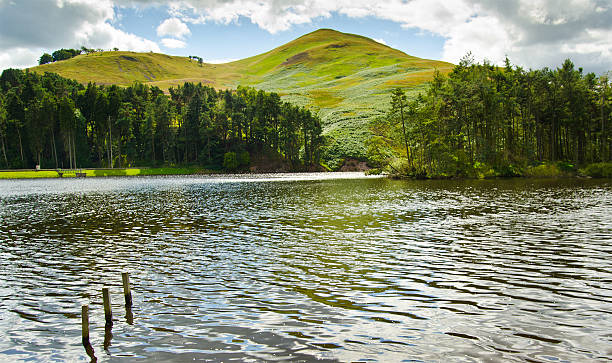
532,33
221,42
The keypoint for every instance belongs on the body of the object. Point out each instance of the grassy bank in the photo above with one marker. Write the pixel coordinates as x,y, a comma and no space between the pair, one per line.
31,174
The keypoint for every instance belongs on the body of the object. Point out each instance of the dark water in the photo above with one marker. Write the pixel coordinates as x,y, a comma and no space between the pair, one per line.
299,270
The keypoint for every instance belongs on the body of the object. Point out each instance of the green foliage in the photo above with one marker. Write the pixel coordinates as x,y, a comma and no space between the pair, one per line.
508,170
598,170
230,161
482,171
545,170
58,123
244,158
566,167
64,54
374,171
344,79
483,121
45,58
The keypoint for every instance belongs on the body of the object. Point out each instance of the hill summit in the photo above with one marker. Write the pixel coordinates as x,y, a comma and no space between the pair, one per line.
345,78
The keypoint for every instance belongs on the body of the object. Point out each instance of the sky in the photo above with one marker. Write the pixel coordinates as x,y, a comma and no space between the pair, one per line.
531,33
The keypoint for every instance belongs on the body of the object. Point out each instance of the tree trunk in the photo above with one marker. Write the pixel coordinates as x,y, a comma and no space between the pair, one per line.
68,145
4,151
54,148
602,147
405,136
110,144
553,140
153,144
74,149
20,145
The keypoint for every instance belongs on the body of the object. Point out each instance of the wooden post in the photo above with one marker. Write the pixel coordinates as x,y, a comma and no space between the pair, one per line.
85,330
85,324
126,289
129,316
108,314
108,335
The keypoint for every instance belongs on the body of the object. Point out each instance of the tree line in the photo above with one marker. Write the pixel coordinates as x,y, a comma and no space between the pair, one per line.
63,54
496,121
199,59
55,122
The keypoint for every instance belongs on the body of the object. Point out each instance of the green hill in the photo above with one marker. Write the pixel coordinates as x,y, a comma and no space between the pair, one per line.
345,78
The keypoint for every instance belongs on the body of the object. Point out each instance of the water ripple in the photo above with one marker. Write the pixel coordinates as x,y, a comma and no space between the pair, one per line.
298,268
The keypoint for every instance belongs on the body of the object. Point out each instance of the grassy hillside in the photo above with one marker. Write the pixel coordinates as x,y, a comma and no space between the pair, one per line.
345,78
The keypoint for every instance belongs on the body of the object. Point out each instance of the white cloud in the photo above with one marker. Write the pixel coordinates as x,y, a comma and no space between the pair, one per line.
381,41
19,58
533,33
173,43
105,36
31,27
173,27
483,36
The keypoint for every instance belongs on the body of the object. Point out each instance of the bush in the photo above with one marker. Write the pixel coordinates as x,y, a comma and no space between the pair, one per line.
482,171
244,159
45,58
598,170
543,171
399,166
566,167
230,161
374,171
508,170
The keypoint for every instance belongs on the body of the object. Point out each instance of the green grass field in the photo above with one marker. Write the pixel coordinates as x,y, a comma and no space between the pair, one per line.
345,78
31,174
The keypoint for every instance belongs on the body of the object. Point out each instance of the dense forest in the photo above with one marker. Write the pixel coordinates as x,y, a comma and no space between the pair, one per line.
482,120
479,121
58,123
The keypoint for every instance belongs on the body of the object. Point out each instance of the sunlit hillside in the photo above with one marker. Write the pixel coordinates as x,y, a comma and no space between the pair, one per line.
345,78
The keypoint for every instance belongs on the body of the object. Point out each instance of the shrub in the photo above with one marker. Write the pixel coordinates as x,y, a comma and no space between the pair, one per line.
483,171
566,167
543,171
598,170
230,161
374,171
508,170
244,159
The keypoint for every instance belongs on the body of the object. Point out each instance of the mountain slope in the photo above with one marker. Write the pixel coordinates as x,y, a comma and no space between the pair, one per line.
345,78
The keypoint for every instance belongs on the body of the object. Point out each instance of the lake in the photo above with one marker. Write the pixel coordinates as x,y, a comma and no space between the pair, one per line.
329,267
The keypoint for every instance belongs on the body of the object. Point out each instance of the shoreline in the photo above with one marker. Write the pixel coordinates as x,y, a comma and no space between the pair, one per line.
8,174
546,170
599,172
16,174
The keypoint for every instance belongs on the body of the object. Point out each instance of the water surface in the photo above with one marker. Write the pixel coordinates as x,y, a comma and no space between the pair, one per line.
308,267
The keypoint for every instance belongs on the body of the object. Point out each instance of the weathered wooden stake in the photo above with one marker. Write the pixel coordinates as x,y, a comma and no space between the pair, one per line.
108,314
126,289
85,329
108,335
129,316
85,324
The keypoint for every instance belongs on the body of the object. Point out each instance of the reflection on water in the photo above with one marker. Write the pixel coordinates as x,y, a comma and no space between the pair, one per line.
301,268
